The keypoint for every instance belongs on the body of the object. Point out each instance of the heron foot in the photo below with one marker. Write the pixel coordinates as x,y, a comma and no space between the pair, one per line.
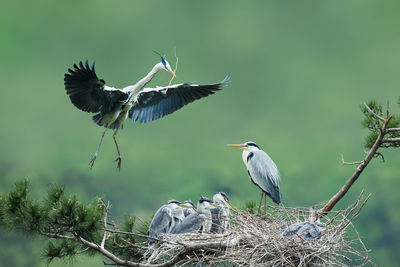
91,162
119,160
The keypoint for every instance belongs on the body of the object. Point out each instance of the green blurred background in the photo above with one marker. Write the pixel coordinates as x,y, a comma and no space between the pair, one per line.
300,70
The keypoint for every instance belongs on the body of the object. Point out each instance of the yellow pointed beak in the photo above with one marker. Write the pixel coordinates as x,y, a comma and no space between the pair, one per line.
236,145
173,73
229,205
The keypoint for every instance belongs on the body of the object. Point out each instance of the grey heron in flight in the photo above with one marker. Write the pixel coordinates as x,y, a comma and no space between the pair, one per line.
197,222
166,218
220,215
113,106
262,171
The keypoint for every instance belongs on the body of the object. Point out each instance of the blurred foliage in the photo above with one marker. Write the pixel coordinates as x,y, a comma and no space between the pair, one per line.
299,70
59,215
375,125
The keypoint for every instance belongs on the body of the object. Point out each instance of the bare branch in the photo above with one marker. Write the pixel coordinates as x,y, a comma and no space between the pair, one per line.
389,130
378,142
134,234
391,140
373,113
106,209
58,236
350,163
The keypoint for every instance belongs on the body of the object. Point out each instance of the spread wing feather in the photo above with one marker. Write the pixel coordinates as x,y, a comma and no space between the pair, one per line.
154,103
89,93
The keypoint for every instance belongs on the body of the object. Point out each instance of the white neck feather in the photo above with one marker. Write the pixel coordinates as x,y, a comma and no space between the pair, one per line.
135,89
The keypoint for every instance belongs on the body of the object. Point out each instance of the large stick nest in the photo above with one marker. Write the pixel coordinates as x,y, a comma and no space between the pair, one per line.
256,240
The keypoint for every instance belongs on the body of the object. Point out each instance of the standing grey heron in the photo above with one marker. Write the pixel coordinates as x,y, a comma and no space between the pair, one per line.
113,106
262,171
197,222
166,218
220,215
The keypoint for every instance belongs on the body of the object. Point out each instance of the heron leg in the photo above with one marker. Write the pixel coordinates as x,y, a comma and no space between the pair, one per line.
265,203
259,206
119,159
91,162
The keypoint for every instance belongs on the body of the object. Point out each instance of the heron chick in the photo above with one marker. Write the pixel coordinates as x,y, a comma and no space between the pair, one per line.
306,230
189,208
262,171
166,217
199,222
113,106
220,215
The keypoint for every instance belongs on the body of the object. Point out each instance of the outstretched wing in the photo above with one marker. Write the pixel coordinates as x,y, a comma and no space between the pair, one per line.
264,173
89,93
154,103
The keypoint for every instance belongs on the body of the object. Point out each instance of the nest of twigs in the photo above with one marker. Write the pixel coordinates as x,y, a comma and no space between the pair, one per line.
256,240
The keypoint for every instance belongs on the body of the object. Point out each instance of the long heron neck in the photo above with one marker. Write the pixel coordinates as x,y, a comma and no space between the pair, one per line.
135,89
246,153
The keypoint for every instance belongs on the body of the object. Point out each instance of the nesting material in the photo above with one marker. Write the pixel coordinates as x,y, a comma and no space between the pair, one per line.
257,240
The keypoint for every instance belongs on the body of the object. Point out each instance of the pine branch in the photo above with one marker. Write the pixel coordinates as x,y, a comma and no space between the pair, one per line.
373,152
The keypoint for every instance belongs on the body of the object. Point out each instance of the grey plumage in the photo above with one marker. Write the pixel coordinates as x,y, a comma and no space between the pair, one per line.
306,230
264,173
155,103
89,93
196,222
165,219
113,106
188,211
220,215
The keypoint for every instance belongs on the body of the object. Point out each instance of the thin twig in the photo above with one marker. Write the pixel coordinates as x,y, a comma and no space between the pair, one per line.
389,130
391,140
373,113
106,209
350,163
176,68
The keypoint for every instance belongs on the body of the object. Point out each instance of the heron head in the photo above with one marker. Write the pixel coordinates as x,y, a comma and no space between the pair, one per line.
320,225
188,205
246,146
205,203
222,198
165,64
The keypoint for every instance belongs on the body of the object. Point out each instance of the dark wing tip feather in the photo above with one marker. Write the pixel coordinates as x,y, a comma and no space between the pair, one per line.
81,83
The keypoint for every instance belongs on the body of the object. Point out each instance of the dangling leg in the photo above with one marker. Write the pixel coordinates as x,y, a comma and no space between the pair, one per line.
91,162
259,206
119,159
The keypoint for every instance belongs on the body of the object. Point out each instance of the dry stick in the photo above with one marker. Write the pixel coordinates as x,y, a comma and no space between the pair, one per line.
373,113
356,214
393,130
106,209
176,67
127,263
391,140
332,202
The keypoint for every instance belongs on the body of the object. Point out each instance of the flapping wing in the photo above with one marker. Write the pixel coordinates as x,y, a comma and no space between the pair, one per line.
89,93
264,173
154,103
